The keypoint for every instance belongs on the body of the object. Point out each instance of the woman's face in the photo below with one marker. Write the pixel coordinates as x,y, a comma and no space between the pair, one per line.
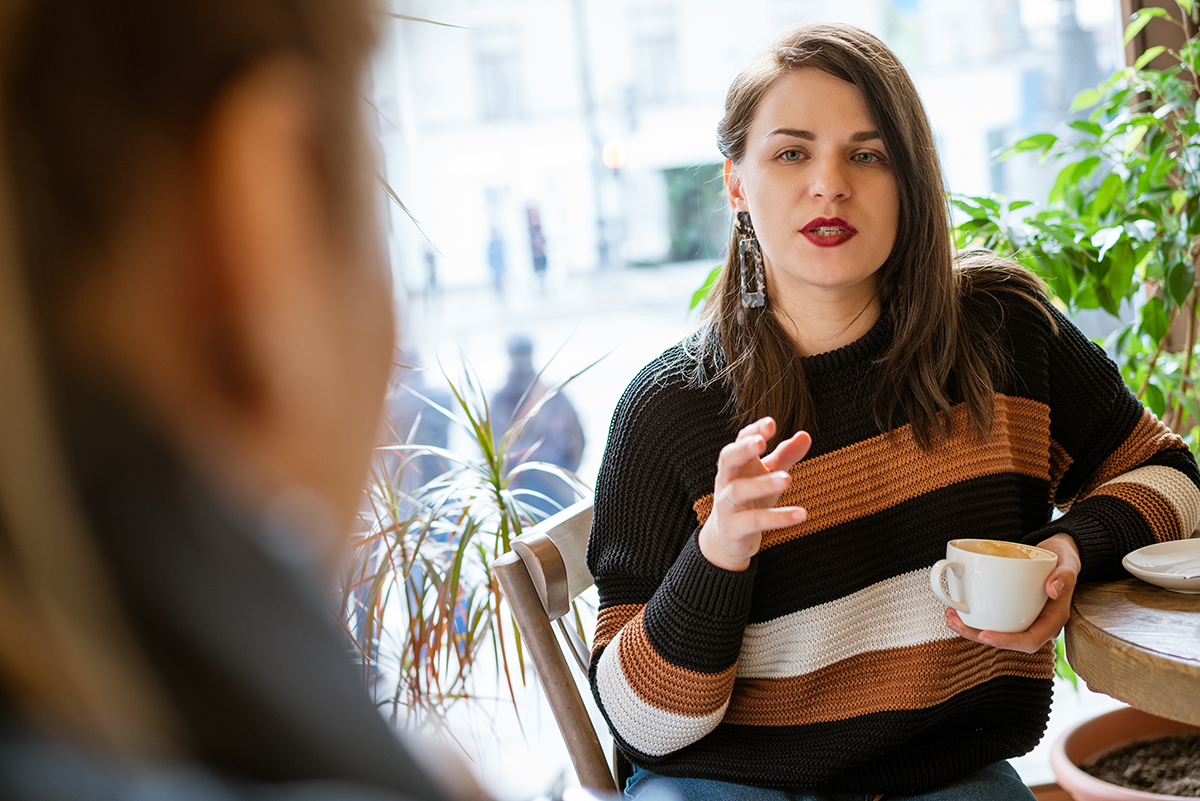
819,188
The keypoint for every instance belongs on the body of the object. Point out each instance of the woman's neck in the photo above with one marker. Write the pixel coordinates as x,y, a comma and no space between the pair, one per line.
822,322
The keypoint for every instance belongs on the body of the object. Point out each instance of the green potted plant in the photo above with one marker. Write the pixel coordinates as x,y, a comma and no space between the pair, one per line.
1119,231
1121,224
416,600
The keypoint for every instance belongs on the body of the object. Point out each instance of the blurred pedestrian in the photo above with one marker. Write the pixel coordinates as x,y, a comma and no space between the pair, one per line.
553,435
496,261
537,246
431,273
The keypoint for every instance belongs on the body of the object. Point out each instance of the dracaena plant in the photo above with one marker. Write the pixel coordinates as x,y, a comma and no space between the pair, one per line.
416,600
1121,225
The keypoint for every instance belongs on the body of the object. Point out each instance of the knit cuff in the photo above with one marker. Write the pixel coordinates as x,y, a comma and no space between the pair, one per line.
701,585
697,617
1097,552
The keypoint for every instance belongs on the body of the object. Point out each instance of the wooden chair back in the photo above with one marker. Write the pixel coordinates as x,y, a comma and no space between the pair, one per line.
540,577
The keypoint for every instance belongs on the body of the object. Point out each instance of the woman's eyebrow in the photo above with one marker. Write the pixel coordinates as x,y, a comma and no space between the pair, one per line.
796,133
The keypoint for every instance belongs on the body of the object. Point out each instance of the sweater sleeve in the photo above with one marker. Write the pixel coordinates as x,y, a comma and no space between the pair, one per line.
670,623
1121,478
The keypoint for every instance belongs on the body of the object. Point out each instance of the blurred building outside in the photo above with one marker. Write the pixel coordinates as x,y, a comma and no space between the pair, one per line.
580,135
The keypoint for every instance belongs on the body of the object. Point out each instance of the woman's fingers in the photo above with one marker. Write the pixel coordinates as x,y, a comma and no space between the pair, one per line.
1043,629
746,490
788,452
744,456
773,518
763,427
749,491
740,459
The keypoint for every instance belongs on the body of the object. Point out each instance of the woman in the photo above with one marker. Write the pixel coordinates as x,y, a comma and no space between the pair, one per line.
196,337
776,487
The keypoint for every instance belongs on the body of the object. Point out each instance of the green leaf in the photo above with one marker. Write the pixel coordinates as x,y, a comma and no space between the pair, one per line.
1042,141
1135,138
1065,178
1148,56
1181,277
1071,175
1086,296
1140,268
1019,204
1108,190
1153,314
1141,19
1092,129
702,293
1154,400
976,225
1085,99
1120,270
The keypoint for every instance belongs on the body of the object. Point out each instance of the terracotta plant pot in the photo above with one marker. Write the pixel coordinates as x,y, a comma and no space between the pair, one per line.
1120,727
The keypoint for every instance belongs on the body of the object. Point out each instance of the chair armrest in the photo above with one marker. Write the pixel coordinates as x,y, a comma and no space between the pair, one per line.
554,553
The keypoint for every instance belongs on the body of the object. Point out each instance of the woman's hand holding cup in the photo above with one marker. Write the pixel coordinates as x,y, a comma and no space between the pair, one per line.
747,487
1059,586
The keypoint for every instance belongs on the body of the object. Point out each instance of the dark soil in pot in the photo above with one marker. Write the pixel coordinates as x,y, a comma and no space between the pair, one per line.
1167,766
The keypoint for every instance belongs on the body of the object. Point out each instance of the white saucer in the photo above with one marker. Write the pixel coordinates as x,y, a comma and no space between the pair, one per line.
1168,564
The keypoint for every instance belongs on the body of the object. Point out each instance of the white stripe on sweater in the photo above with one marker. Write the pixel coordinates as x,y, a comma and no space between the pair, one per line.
893,613
644,726
1180,492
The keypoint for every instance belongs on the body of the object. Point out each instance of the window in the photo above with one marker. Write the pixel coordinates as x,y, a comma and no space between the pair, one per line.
499,76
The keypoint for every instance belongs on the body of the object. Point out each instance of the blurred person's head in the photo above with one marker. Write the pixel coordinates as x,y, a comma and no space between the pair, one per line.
185,226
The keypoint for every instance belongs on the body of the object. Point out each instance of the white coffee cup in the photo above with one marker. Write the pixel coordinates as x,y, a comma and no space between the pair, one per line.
994,585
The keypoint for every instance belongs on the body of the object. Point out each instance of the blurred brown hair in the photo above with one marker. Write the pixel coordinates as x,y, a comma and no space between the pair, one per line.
90,93
935,352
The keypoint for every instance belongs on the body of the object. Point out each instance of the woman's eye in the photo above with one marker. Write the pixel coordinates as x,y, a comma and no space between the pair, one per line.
867,158
790,155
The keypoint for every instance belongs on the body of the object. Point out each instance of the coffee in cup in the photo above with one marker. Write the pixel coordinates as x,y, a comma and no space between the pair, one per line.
994,585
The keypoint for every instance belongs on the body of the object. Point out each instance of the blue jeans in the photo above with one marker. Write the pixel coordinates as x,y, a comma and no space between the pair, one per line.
996,782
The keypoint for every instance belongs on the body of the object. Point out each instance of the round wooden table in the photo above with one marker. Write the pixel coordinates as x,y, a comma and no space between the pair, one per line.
1140,644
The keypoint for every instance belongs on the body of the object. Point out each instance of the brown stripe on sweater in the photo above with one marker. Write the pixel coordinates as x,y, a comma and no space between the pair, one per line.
880,681
1148,437
666,686
1019,443
1157,510
1060,463
610,620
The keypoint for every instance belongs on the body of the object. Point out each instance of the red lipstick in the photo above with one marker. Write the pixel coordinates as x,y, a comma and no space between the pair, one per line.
828,232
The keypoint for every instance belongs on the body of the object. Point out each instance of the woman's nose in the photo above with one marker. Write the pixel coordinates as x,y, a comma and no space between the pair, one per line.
829,181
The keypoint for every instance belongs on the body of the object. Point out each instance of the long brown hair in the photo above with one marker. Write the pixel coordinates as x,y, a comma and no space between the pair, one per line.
937,353
88,91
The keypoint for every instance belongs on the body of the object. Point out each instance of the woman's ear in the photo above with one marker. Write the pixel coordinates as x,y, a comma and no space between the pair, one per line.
733,187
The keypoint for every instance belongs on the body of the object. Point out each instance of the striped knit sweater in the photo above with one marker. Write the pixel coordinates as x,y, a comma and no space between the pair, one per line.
827,663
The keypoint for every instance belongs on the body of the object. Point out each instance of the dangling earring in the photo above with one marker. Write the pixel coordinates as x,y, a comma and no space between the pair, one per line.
754,288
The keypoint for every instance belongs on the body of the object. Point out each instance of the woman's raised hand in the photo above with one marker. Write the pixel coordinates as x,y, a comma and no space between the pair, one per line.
747,487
